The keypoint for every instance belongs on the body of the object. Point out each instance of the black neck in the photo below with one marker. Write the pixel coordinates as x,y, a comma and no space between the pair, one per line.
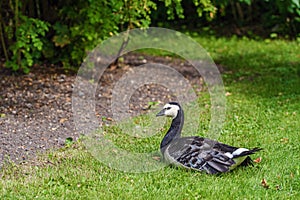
174,131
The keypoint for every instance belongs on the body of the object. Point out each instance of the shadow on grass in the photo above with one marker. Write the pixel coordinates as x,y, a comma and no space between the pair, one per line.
260,75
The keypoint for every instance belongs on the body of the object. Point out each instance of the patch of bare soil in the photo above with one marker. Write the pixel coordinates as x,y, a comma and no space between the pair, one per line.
36,109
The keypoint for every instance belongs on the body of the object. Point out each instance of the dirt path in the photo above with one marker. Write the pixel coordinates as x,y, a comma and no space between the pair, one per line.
36,109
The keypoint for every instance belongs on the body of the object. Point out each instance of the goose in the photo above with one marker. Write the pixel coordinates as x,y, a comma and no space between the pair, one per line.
198,153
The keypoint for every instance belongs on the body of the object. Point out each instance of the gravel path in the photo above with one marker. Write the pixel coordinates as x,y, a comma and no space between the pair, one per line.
36,109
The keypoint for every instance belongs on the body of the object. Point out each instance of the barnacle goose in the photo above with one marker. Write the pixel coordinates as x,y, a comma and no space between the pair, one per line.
198,153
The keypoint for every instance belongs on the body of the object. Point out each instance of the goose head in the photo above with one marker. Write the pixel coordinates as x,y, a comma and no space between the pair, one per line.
171,109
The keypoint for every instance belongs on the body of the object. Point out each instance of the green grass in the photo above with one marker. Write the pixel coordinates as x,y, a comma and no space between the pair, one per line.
262,79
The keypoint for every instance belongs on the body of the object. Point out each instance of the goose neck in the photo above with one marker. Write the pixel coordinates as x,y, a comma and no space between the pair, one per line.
174,130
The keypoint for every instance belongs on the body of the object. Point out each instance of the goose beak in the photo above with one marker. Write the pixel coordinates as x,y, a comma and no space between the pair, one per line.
161,113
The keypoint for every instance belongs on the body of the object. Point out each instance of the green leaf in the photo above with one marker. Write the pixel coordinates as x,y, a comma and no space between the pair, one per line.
297,3
69,141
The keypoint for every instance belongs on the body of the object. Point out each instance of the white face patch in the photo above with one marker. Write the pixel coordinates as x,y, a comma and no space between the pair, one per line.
171,110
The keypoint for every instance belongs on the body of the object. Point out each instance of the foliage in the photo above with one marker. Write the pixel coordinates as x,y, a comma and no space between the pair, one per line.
287,17
24,36
76,28
242,17
102,19
85,24
64,32
276,16
28,46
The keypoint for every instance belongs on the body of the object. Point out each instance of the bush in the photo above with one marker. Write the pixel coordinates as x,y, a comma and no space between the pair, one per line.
263,18
28,45
64,31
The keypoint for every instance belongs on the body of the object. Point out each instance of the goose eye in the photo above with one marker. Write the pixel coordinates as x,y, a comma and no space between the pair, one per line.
168,108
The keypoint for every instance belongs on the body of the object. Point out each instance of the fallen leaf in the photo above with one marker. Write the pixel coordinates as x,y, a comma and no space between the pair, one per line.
62,120
113,67
264,183
68,99
257,160
227,94
156,158
109,119
285,140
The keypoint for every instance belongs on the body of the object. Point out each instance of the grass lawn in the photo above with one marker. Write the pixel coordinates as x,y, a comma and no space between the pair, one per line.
262,81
